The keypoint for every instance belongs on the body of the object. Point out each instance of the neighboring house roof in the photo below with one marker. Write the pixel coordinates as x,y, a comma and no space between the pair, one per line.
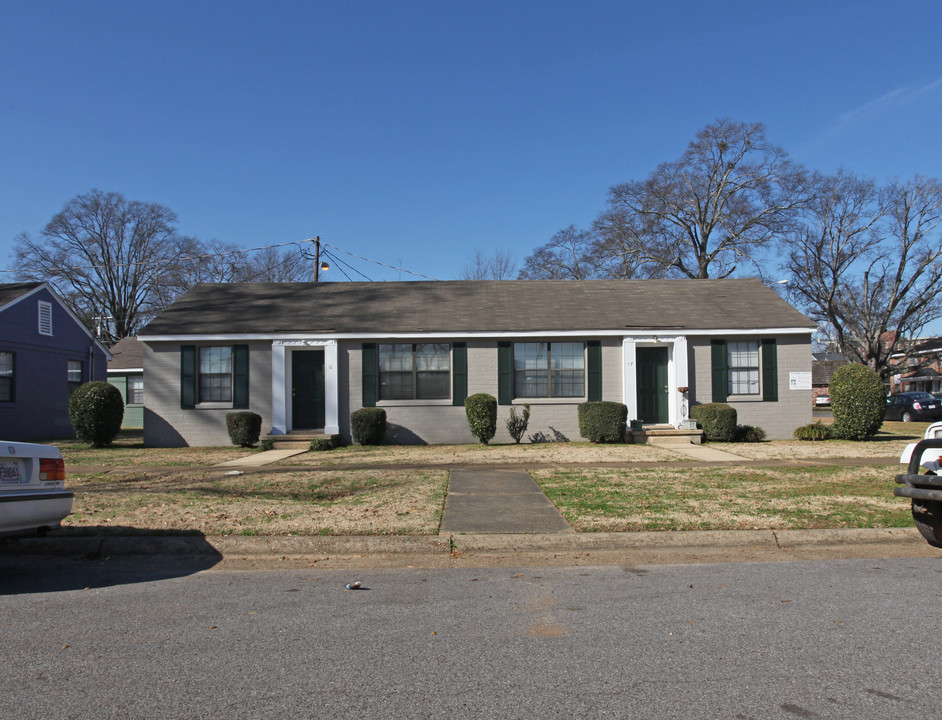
823,366
473,306
127,354
931,345
13,291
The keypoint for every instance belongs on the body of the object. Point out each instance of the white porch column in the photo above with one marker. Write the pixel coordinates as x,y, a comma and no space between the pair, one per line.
331,389
279,389
677,378
630,376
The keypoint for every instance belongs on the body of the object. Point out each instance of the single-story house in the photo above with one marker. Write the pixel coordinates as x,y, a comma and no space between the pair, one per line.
126,372
45,353
306,355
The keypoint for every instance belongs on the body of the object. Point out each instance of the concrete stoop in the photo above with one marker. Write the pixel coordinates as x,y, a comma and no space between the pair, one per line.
299,440
666,435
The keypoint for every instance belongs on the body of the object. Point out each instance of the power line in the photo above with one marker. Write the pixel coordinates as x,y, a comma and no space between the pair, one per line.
377,262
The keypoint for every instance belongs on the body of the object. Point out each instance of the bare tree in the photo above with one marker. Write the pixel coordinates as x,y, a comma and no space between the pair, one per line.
105,256
567,256
499,266
868,264
728,196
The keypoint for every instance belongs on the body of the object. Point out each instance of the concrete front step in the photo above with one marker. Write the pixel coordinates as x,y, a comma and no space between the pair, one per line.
299,440
665,436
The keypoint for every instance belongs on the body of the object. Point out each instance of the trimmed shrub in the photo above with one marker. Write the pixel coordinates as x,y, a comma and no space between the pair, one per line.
368,426
96,410
322,444
858,401
813,431
266,444
717,420
603,421
517,424
749,434
481,411
244,427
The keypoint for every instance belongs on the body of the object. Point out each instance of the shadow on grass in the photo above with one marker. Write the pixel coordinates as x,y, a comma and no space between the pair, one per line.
101,557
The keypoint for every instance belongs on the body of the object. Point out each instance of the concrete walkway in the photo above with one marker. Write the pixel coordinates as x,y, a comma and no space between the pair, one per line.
702,452
498,501
263,458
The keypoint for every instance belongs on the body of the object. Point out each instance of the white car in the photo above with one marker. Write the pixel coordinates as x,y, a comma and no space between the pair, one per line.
33,498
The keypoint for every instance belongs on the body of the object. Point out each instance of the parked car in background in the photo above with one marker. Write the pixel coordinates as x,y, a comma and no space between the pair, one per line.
909,406
33,498
822,401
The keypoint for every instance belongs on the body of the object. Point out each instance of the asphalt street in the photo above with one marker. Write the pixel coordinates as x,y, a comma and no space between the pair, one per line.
139,638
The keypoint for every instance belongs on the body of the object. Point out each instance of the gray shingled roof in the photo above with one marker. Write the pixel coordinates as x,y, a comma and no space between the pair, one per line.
475,306
11,291
127,353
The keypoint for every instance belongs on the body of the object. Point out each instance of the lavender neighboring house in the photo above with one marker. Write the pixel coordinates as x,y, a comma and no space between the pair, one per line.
305,356
45,353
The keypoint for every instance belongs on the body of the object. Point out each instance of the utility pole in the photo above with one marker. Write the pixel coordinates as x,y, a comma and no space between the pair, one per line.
317,258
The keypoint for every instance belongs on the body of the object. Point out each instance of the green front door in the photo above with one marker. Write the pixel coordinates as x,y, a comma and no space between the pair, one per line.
307,389
652,384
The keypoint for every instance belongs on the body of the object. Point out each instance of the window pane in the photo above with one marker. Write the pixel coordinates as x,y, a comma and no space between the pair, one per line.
6,377
136,390
743,354
432,357
75,371
215,383
531,383
395,358
743,382
568,383
6,363
396,386
432,385
530,356
567,356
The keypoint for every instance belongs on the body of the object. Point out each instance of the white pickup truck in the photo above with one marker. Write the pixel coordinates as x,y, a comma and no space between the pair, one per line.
33,498
924,490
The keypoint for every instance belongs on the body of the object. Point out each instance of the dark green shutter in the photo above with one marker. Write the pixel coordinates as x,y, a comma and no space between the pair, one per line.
720,375
594,370
505,373
240,377
370,360
459,373
769,370
187,376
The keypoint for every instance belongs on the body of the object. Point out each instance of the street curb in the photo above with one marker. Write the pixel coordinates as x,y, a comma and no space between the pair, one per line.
237,547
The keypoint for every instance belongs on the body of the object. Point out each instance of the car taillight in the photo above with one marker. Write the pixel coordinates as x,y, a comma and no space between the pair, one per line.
51,469
916,405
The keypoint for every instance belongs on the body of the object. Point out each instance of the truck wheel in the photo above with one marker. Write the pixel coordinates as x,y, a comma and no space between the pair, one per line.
907,417
927,514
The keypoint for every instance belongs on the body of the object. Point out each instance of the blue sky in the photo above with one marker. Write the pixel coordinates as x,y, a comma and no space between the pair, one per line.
414,132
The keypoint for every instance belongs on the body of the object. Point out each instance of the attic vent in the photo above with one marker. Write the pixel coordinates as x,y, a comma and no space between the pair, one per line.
45,318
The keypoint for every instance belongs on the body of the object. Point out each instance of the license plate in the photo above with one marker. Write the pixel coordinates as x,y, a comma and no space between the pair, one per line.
10,473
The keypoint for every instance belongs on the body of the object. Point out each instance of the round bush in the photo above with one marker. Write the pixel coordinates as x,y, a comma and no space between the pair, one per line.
717,420
749,434
96,410
813,431
368,426
244,428
603,421
858,401
481,411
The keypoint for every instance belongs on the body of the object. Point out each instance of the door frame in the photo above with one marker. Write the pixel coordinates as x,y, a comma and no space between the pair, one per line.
319,411
281,382
676,371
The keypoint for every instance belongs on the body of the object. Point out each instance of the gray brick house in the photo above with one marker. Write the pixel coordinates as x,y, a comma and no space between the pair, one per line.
306,355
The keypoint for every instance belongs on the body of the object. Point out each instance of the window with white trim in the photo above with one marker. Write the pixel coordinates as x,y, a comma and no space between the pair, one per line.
549,369
6,377
742,362
135,390
45,317
74,374
215,374
415,371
